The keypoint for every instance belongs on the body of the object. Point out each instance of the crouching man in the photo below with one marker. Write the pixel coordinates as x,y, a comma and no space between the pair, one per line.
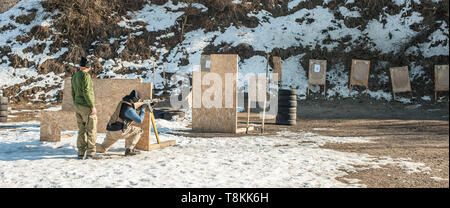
120,124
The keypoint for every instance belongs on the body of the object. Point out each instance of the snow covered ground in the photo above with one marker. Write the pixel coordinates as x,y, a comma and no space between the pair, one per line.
286,160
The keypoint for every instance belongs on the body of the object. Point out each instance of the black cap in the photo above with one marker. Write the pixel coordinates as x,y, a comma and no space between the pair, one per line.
84,63
135,95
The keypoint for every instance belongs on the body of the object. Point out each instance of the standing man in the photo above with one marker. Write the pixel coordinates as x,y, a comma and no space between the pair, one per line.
83,98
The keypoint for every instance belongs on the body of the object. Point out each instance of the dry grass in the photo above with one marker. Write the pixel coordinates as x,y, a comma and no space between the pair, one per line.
84,20
5,5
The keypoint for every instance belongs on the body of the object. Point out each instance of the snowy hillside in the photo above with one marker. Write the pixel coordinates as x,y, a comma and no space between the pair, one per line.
38,48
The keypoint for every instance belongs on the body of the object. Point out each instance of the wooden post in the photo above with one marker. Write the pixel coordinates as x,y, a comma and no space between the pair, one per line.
248,113
154,75
265,93
164,76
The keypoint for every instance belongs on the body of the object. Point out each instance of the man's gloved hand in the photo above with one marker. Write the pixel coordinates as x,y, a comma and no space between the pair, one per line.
149,104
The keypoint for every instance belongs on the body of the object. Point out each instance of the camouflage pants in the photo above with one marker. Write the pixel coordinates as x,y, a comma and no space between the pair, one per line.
131,135
87,130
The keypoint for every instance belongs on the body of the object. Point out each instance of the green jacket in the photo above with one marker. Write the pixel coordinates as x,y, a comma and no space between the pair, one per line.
82,89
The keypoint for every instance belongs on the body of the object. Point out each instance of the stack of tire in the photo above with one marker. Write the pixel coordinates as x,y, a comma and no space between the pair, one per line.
3,108
287,107
168,114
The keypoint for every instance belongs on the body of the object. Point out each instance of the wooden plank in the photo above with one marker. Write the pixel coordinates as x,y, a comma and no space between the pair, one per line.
277,69
161,145
144,141
53,122
211,118
108,93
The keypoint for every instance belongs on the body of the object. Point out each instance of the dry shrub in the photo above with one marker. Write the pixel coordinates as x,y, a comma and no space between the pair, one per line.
5,5
40,32
26,19
82,21
51,65
159,2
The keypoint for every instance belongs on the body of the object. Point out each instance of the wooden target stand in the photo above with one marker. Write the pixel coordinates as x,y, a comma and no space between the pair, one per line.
277,69
441,77
317,74
400,80
359,75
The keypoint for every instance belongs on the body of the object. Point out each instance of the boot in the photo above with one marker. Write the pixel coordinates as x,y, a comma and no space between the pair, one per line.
131,152
100,148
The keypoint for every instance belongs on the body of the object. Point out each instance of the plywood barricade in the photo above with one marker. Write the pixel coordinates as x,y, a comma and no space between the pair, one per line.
317,74
108,93
277,69
359,74
400,80
441,77
257,91
217,117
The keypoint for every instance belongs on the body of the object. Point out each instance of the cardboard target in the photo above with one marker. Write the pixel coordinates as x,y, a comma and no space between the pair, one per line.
317,74
205,63
441,77
359,74
400,79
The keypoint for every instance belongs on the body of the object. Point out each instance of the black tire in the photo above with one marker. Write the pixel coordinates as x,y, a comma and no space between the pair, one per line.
289,92
167,116
283,117
158,114
3,119
171,114
3,113
287,122
287,97
3,101
3,107
286,114
287,110
290,104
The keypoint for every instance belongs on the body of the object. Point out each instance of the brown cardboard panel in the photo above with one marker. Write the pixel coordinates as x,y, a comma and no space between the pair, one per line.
400,79
360,73
223,120
205,63
317,72
162,145
53,122
277,68
108,93
441,77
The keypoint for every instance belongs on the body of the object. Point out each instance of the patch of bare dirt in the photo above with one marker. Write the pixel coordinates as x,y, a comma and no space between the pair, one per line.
422,141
